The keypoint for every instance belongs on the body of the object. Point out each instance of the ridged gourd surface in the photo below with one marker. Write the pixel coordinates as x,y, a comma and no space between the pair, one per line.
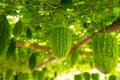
105,49
60,41
4,35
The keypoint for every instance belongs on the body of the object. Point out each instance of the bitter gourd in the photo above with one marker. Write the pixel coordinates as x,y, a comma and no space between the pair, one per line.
29,33
95,76
17,31
105,49
78,77
35,74
32,61
113,77
9,74
41,75
86,75
74,58
11,49
23,76
60,41
4,35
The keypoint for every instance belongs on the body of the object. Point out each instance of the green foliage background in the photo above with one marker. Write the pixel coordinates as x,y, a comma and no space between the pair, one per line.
85,17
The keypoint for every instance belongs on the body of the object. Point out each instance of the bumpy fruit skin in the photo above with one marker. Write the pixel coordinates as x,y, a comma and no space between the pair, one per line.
95,76
32,61
60,41
78,77
4,35
113,77
86,75
17,31
11,49
105,49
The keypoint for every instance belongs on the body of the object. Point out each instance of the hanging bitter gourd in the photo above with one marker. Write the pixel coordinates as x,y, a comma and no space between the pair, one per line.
74,57
86,75
78,77
11,49
23,76
41,75
4,35
95,76
35,74
113,77
60,41
9,74
29,33
32,61
105,49
17,31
